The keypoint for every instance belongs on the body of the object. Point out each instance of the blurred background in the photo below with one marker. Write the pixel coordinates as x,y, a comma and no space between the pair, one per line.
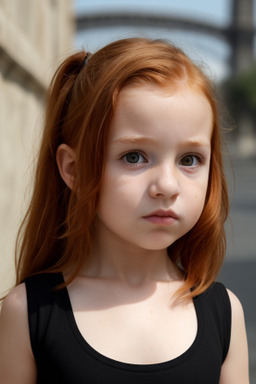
35,36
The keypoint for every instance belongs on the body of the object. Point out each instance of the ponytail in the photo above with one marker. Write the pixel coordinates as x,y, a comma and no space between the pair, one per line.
40,242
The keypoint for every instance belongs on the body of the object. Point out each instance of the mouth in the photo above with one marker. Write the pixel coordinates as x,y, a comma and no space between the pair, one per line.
162,217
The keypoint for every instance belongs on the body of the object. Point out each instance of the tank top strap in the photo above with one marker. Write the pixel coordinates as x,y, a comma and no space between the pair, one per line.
217,310
42,295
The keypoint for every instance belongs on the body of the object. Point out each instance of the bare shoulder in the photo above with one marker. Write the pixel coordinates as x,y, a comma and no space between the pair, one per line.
237,309
14,311
16,357
235,369
15,301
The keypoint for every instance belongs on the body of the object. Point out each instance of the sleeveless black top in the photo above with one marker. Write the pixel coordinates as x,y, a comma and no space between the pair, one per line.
63,356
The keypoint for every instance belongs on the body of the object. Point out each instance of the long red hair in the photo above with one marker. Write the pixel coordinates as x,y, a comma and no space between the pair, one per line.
57,230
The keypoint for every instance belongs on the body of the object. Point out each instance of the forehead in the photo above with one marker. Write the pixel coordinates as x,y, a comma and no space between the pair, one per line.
150,90
152,110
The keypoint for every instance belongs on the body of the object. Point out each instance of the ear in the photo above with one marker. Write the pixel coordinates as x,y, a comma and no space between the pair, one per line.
65,158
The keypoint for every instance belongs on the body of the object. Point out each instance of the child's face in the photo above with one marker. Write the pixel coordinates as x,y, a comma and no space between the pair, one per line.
157,167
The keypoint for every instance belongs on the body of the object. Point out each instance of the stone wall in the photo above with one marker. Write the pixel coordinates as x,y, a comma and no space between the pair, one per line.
35,36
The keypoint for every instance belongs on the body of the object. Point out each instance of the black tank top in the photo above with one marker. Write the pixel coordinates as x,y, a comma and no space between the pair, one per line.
63,356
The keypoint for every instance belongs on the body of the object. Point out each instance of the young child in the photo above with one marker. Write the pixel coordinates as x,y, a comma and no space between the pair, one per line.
124,237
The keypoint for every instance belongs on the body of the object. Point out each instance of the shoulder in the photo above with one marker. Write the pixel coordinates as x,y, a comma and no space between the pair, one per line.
238,329
219,290
14,307
235,368
236,306
16,357
13,316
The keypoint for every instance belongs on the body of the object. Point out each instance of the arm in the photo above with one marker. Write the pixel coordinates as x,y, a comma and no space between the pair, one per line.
17,364
235,367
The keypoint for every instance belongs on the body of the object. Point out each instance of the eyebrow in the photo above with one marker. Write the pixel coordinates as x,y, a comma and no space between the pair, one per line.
198,143
150,140
135,139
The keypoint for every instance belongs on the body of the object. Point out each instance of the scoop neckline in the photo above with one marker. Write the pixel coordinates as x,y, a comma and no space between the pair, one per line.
132,366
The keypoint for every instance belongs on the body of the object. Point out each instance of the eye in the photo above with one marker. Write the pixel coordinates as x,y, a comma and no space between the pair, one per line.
134,158
190,161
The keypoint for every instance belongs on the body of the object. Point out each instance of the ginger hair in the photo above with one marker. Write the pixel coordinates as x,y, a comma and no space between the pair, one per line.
56,232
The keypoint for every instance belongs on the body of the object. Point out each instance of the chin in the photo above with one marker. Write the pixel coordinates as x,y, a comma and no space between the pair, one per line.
158,245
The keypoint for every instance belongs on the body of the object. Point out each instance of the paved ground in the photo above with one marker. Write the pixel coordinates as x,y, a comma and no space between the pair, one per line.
239,270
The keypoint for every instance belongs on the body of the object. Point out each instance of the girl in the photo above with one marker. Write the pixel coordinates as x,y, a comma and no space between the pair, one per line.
124,235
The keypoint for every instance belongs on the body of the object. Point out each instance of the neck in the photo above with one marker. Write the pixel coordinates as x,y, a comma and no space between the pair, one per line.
134,266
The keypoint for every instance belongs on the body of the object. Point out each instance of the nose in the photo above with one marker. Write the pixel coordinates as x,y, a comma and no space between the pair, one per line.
165,183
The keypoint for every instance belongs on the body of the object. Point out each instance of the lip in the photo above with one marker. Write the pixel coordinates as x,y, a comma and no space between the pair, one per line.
162,217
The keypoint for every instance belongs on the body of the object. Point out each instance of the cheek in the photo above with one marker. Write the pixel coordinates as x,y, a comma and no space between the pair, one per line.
199,196
194,211
201,187
197,201
198,206
123,186
118,193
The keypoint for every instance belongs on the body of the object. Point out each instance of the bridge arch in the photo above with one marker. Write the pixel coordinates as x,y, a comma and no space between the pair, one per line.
239,35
